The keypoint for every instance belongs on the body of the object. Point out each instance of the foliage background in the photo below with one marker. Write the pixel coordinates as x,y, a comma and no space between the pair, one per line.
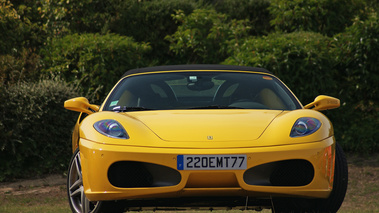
51,51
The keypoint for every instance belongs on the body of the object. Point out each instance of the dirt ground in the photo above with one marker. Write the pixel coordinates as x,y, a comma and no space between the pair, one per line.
34,186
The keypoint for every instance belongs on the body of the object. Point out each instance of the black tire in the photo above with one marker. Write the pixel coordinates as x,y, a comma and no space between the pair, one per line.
75,192
328,205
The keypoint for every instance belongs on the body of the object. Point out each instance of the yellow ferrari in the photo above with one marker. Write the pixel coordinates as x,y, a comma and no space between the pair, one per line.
204,137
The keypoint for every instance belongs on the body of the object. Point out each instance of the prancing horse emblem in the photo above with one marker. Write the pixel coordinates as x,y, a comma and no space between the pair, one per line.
210,137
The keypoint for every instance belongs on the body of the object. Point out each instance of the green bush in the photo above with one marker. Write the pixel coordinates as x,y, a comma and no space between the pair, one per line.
150,21
356,52
204,36
20,27
94,62
25,66
64,17
374,4
323,16
300,59
11,28
256,11
21,35
35,128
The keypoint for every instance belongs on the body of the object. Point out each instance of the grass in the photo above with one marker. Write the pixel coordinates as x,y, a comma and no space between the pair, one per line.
49,201
362,194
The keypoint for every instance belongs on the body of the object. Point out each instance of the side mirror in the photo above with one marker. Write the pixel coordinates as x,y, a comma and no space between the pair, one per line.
81,104
323,102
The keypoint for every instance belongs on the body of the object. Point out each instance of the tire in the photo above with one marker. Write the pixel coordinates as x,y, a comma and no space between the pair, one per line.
328,205
75,192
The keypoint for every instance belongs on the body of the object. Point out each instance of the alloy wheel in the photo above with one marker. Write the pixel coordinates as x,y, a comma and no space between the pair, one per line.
78,200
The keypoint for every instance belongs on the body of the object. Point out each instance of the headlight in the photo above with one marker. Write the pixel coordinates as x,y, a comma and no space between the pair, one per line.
111,128
305,126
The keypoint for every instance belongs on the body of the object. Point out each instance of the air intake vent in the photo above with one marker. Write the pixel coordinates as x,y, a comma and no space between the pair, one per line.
132,174
281,173
292,173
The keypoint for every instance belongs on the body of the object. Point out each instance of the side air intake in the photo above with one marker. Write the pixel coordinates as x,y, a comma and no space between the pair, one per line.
132,174
281,173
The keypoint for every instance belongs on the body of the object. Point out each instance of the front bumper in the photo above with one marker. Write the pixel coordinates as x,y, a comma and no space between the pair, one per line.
98,158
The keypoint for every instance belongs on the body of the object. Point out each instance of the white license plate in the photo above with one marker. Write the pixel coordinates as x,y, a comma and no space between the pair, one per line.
211,162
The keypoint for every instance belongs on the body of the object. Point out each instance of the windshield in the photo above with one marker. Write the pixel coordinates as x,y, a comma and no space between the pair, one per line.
200,90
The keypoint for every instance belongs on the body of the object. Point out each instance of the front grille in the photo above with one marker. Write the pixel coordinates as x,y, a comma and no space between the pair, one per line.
281,173
132,174
292,173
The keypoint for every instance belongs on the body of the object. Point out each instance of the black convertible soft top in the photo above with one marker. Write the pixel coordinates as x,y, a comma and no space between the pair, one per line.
195,67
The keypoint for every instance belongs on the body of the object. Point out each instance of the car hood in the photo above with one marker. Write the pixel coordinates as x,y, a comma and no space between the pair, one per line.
204,125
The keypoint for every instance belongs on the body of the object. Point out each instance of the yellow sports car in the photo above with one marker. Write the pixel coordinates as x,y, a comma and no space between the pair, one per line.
204,137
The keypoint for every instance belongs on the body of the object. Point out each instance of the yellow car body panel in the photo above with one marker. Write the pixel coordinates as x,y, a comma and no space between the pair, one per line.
157,139
145,145
142,134
102,156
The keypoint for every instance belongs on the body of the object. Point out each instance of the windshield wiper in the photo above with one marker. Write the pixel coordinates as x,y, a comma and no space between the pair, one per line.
216,107
126,109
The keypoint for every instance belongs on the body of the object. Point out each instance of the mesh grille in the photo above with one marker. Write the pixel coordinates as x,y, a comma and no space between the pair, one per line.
129,174
292,173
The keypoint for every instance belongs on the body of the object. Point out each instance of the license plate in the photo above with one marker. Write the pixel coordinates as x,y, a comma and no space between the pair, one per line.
211,162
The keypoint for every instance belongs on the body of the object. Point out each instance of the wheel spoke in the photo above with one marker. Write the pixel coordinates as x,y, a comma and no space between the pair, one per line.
87,205
78,166
77,192
76,185
83,202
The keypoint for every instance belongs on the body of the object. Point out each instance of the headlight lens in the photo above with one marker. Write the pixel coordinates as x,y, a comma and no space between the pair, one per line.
305,126
111,128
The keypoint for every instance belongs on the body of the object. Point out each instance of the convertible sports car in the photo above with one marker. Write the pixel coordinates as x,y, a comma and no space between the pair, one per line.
204,137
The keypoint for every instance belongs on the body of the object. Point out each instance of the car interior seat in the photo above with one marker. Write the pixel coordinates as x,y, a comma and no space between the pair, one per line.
270,99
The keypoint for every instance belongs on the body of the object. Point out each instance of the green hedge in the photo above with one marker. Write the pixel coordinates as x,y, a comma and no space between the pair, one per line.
94,62
356,52
150,21
323,16
10,40
35,129
20,67
256,11
204,36
19,27
300,59
21,35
